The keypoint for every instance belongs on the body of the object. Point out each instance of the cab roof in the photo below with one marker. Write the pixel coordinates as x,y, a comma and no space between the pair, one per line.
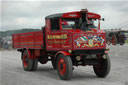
73,15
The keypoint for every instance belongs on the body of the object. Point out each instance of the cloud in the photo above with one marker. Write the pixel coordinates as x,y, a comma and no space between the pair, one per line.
31,14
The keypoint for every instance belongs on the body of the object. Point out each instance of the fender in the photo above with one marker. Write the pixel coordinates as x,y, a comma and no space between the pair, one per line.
64,53
60,52
31,55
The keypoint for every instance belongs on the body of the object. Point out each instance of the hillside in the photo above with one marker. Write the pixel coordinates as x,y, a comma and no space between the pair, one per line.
10,32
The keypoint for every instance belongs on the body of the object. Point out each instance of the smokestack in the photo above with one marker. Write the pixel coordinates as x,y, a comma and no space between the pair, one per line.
84,13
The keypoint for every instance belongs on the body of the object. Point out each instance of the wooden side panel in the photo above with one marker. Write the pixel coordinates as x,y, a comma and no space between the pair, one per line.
38,40
16,40
28,40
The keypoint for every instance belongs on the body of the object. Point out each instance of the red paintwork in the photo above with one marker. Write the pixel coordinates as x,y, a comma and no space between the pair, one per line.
72,41
57,44
85,43
113,40
77,15
53,42
25,63
37,52
29,54
28,40
32,54
64,53
62,66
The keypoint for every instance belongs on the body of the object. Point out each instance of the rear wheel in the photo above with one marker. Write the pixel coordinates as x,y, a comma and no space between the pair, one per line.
29,64
114,40
121,43
103,68
64,67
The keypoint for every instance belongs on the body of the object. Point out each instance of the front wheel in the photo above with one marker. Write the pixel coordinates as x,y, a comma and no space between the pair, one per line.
29,64
64,67
103,68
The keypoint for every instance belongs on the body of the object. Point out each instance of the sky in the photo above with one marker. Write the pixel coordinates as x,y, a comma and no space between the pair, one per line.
18,14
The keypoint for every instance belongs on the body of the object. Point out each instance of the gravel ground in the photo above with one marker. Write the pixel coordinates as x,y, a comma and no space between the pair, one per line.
12,73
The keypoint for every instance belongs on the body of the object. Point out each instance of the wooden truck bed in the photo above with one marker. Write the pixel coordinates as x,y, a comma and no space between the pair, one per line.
28,40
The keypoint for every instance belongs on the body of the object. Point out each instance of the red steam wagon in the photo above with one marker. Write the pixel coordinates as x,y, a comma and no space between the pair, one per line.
67,40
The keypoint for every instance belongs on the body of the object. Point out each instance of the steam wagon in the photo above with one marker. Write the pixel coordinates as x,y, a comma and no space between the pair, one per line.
67,40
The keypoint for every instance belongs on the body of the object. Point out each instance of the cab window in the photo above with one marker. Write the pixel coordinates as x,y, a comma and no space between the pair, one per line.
55,24
92,23
69,23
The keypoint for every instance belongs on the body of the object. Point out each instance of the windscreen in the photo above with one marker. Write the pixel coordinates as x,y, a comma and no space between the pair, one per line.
92,23
77,24
70,23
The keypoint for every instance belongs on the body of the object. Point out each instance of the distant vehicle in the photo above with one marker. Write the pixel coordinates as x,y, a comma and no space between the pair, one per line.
115,37
67,40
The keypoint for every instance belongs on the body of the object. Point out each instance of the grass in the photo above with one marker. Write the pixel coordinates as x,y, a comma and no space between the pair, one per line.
126,41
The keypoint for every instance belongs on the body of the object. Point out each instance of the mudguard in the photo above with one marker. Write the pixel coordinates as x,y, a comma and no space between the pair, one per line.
63,52
31,55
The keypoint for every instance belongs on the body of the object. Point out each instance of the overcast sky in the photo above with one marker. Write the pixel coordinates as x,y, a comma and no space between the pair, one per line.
31,14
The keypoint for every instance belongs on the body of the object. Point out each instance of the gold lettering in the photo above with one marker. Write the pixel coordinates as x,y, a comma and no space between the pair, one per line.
57,42
48,37
63,36
58,37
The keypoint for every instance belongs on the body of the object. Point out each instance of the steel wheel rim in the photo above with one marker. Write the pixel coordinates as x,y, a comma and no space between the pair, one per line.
61,66
25,61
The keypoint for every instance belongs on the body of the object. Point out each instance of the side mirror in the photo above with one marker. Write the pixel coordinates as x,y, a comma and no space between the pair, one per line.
102,19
